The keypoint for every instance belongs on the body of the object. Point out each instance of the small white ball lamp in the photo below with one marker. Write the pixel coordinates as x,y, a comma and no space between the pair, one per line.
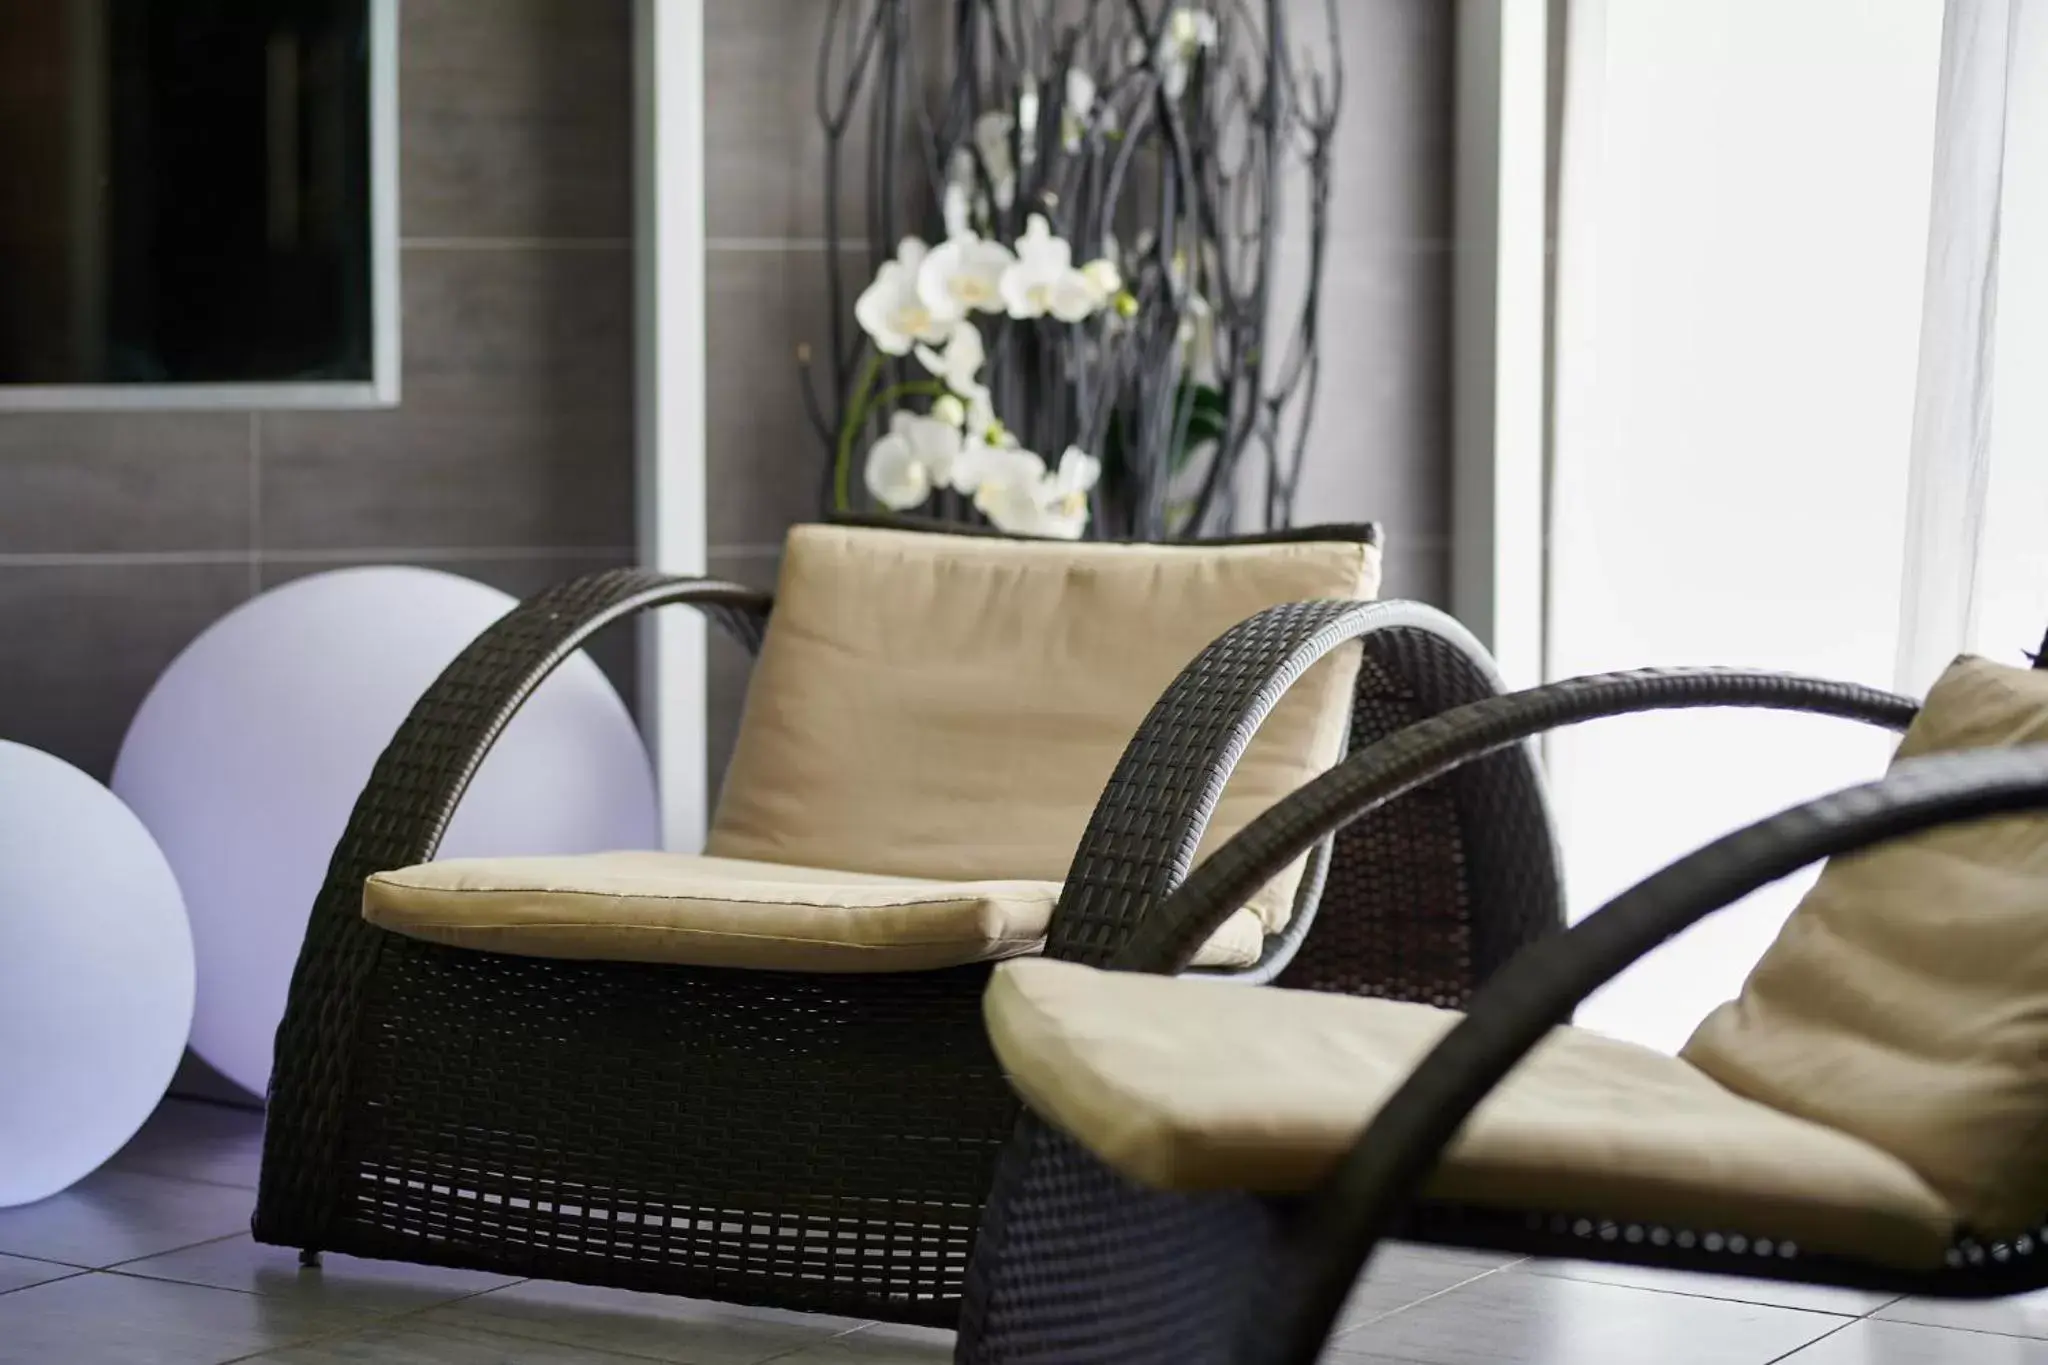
95,974
248,754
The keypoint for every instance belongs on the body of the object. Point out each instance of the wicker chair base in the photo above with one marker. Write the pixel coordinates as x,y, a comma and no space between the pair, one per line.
1080,1266
798,1140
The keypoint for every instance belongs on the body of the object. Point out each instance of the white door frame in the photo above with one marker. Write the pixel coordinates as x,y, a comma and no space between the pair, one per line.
1499,330
668,223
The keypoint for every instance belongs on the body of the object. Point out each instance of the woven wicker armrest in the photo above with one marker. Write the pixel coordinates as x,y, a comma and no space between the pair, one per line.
1432,748
1538,991
1151,816
405,807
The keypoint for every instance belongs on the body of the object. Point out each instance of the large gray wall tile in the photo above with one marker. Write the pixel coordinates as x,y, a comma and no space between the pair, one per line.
1379,446
128,482
86,641
764,146
1391,178
517,118
516,427
767,466
1418,575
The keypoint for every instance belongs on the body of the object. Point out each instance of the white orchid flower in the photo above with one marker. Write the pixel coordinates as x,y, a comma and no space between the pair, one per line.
955,206
1198,339
950,410
1188,33
1063,495
890,309
963,274
1027,122
992,140
987,452
917,455
959,365
1103,277
982,428
1007,487
1014,491
1044,280
1080,103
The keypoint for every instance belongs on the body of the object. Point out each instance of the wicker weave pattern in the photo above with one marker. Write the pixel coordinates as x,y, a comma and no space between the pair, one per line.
1157,804
1106,1271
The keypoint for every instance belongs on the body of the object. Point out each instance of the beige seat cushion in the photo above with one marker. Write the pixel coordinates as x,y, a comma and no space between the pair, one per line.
1191,1085
950,707
1906,999
718,912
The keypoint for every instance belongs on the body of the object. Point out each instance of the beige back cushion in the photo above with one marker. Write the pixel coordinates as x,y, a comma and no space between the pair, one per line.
951,706
1906,1000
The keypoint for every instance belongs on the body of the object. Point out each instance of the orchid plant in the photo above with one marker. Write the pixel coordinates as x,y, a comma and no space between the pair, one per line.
1092,270
922,303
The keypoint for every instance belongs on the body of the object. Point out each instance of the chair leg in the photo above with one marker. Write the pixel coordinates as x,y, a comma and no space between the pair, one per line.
309,1258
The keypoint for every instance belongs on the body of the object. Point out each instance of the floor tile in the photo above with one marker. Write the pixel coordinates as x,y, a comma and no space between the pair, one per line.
113,1216
657,1326
214,1143
378,1287
882,1343
95,1319
2025,1315
1401,1275
1485,1260
1510,1319
1874,1342
1853,1303
413,1344
18,1272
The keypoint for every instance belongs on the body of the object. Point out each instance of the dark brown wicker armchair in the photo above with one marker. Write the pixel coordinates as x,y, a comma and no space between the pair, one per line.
1080,1264
808,1140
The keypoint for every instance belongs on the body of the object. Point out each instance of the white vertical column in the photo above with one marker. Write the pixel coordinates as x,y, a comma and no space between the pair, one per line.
669,392
1497,309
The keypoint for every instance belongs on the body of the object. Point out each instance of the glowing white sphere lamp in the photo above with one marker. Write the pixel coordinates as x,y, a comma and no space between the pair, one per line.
248,754
95,974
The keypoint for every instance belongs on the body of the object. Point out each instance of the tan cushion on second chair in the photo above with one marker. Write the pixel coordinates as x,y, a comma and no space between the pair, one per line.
951,706
717,912
1187,1084
1906,999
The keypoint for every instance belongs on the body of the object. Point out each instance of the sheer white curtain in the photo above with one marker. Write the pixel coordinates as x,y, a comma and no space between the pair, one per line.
1800,409
1977,489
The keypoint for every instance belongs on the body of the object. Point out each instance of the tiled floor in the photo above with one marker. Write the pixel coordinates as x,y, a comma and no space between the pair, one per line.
149,1262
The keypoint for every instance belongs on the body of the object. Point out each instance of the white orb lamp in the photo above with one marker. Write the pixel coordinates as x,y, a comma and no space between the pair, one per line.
248,754
95,974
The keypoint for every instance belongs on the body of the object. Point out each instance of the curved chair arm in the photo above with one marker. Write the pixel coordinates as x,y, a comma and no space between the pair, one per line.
1360,1201
1151,816
1431,748
402,813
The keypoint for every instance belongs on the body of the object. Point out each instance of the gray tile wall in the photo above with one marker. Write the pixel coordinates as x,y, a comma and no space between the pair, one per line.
509,460
1380,443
